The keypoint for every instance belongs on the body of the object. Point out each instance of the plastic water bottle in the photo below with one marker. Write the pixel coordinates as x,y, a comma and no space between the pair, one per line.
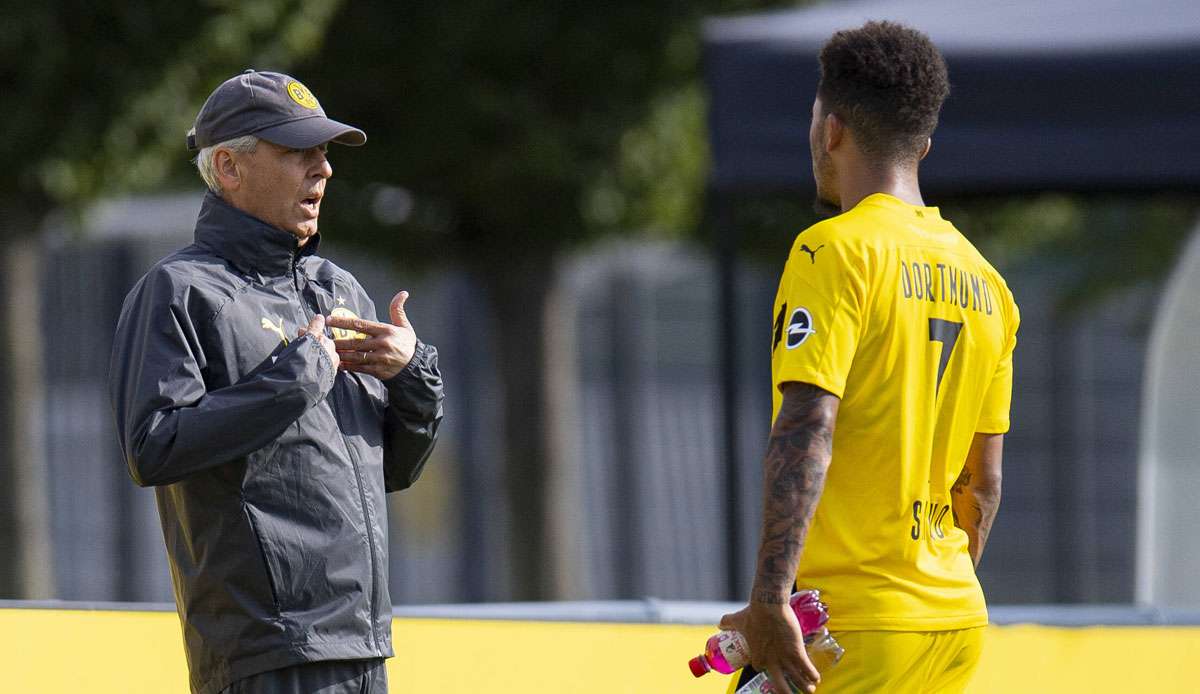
727,652
823,650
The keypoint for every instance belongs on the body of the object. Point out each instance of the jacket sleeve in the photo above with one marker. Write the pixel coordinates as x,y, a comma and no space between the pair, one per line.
412,418
169,425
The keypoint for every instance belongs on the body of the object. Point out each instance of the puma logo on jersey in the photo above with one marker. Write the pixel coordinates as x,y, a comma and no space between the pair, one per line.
277,329
812,252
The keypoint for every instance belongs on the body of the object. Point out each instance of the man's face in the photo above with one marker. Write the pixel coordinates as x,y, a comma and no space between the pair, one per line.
283,187
822,164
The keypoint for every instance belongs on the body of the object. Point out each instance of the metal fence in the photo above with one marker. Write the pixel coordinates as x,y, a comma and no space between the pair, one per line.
635,497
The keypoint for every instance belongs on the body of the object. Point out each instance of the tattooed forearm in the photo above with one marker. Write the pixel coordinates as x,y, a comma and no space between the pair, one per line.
974,511
975,495
794,475
986,505
963,481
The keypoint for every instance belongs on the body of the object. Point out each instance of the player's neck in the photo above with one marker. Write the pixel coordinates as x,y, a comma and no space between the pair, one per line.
900,183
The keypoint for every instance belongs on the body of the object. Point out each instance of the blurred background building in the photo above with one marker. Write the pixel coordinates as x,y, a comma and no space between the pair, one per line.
596,260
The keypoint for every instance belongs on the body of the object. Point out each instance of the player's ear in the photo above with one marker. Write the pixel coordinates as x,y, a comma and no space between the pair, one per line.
928,146
833,130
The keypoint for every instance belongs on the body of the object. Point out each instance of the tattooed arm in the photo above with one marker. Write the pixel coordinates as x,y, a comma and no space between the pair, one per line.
975,496
794,475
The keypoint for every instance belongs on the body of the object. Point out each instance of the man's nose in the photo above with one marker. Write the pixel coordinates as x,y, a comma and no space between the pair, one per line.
323,169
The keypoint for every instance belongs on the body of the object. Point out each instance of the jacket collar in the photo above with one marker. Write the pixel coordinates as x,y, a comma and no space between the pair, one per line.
251,244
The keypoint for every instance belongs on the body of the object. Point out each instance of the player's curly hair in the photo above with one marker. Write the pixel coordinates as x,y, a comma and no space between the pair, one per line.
887,82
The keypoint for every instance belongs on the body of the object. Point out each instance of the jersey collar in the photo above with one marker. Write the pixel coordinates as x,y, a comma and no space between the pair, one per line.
885,200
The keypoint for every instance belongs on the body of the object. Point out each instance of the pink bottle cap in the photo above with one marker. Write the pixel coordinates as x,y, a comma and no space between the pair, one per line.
699,666
805,597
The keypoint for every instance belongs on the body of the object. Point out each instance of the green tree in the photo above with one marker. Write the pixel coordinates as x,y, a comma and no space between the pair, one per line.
104,92
521,128
98,98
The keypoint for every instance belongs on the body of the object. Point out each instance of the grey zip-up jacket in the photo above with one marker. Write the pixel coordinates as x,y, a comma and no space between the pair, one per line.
270,466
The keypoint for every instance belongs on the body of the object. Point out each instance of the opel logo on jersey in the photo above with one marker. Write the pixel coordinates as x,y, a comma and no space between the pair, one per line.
799,327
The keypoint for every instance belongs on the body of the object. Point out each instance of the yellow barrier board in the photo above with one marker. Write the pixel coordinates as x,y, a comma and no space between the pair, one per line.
71,652
1029,658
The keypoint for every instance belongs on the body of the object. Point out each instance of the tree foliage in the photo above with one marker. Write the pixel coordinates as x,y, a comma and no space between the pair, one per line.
105,92
1099,244
516,127
499,134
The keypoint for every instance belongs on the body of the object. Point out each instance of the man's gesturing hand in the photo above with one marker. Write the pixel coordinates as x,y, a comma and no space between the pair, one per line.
316,328
385,350
776,645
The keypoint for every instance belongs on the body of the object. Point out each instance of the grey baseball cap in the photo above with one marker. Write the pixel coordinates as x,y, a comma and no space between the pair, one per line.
271,105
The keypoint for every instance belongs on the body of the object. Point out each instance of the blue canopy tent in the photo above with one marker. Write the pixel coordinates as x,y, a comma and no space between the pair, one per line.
1052,94
1066,95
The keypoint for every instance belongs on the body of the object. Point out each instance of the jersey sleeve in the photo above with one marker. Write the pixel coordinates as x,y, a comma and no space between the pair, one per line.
994,417
819,316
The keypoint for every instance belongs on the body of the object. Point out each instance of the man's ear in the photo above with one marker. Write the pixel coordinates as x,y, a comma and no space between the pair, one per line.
928,146
228,173
834,130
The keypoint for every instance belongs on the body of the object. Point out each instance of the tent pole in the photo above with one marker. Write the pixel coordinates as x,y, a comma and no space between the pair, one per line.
725,237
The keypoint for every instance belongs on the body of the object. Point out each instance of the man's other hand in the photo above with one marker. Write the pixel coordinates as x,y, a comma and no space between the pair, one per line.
385,350
316,328
776,644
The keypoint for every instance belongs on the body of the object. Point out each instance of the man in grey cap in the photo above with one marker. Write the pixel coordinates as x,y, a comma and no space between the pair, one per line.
270,443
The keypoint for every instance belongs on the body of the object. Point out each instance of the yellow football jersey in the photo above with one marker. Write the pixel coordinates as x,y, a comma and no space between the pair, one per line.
891,309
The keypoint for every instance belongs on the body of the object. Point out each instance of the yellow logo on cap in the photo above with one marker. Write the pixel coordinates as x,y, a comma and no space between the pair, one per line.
301,95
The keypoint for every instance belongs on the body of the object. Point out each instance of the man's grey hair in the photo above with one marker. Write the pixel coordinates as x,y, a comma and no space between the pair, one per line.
204,160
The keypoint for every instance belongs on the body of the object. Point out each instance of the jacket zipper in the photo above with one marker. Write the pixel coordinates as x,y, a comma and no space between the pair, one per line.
362,493
370,541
